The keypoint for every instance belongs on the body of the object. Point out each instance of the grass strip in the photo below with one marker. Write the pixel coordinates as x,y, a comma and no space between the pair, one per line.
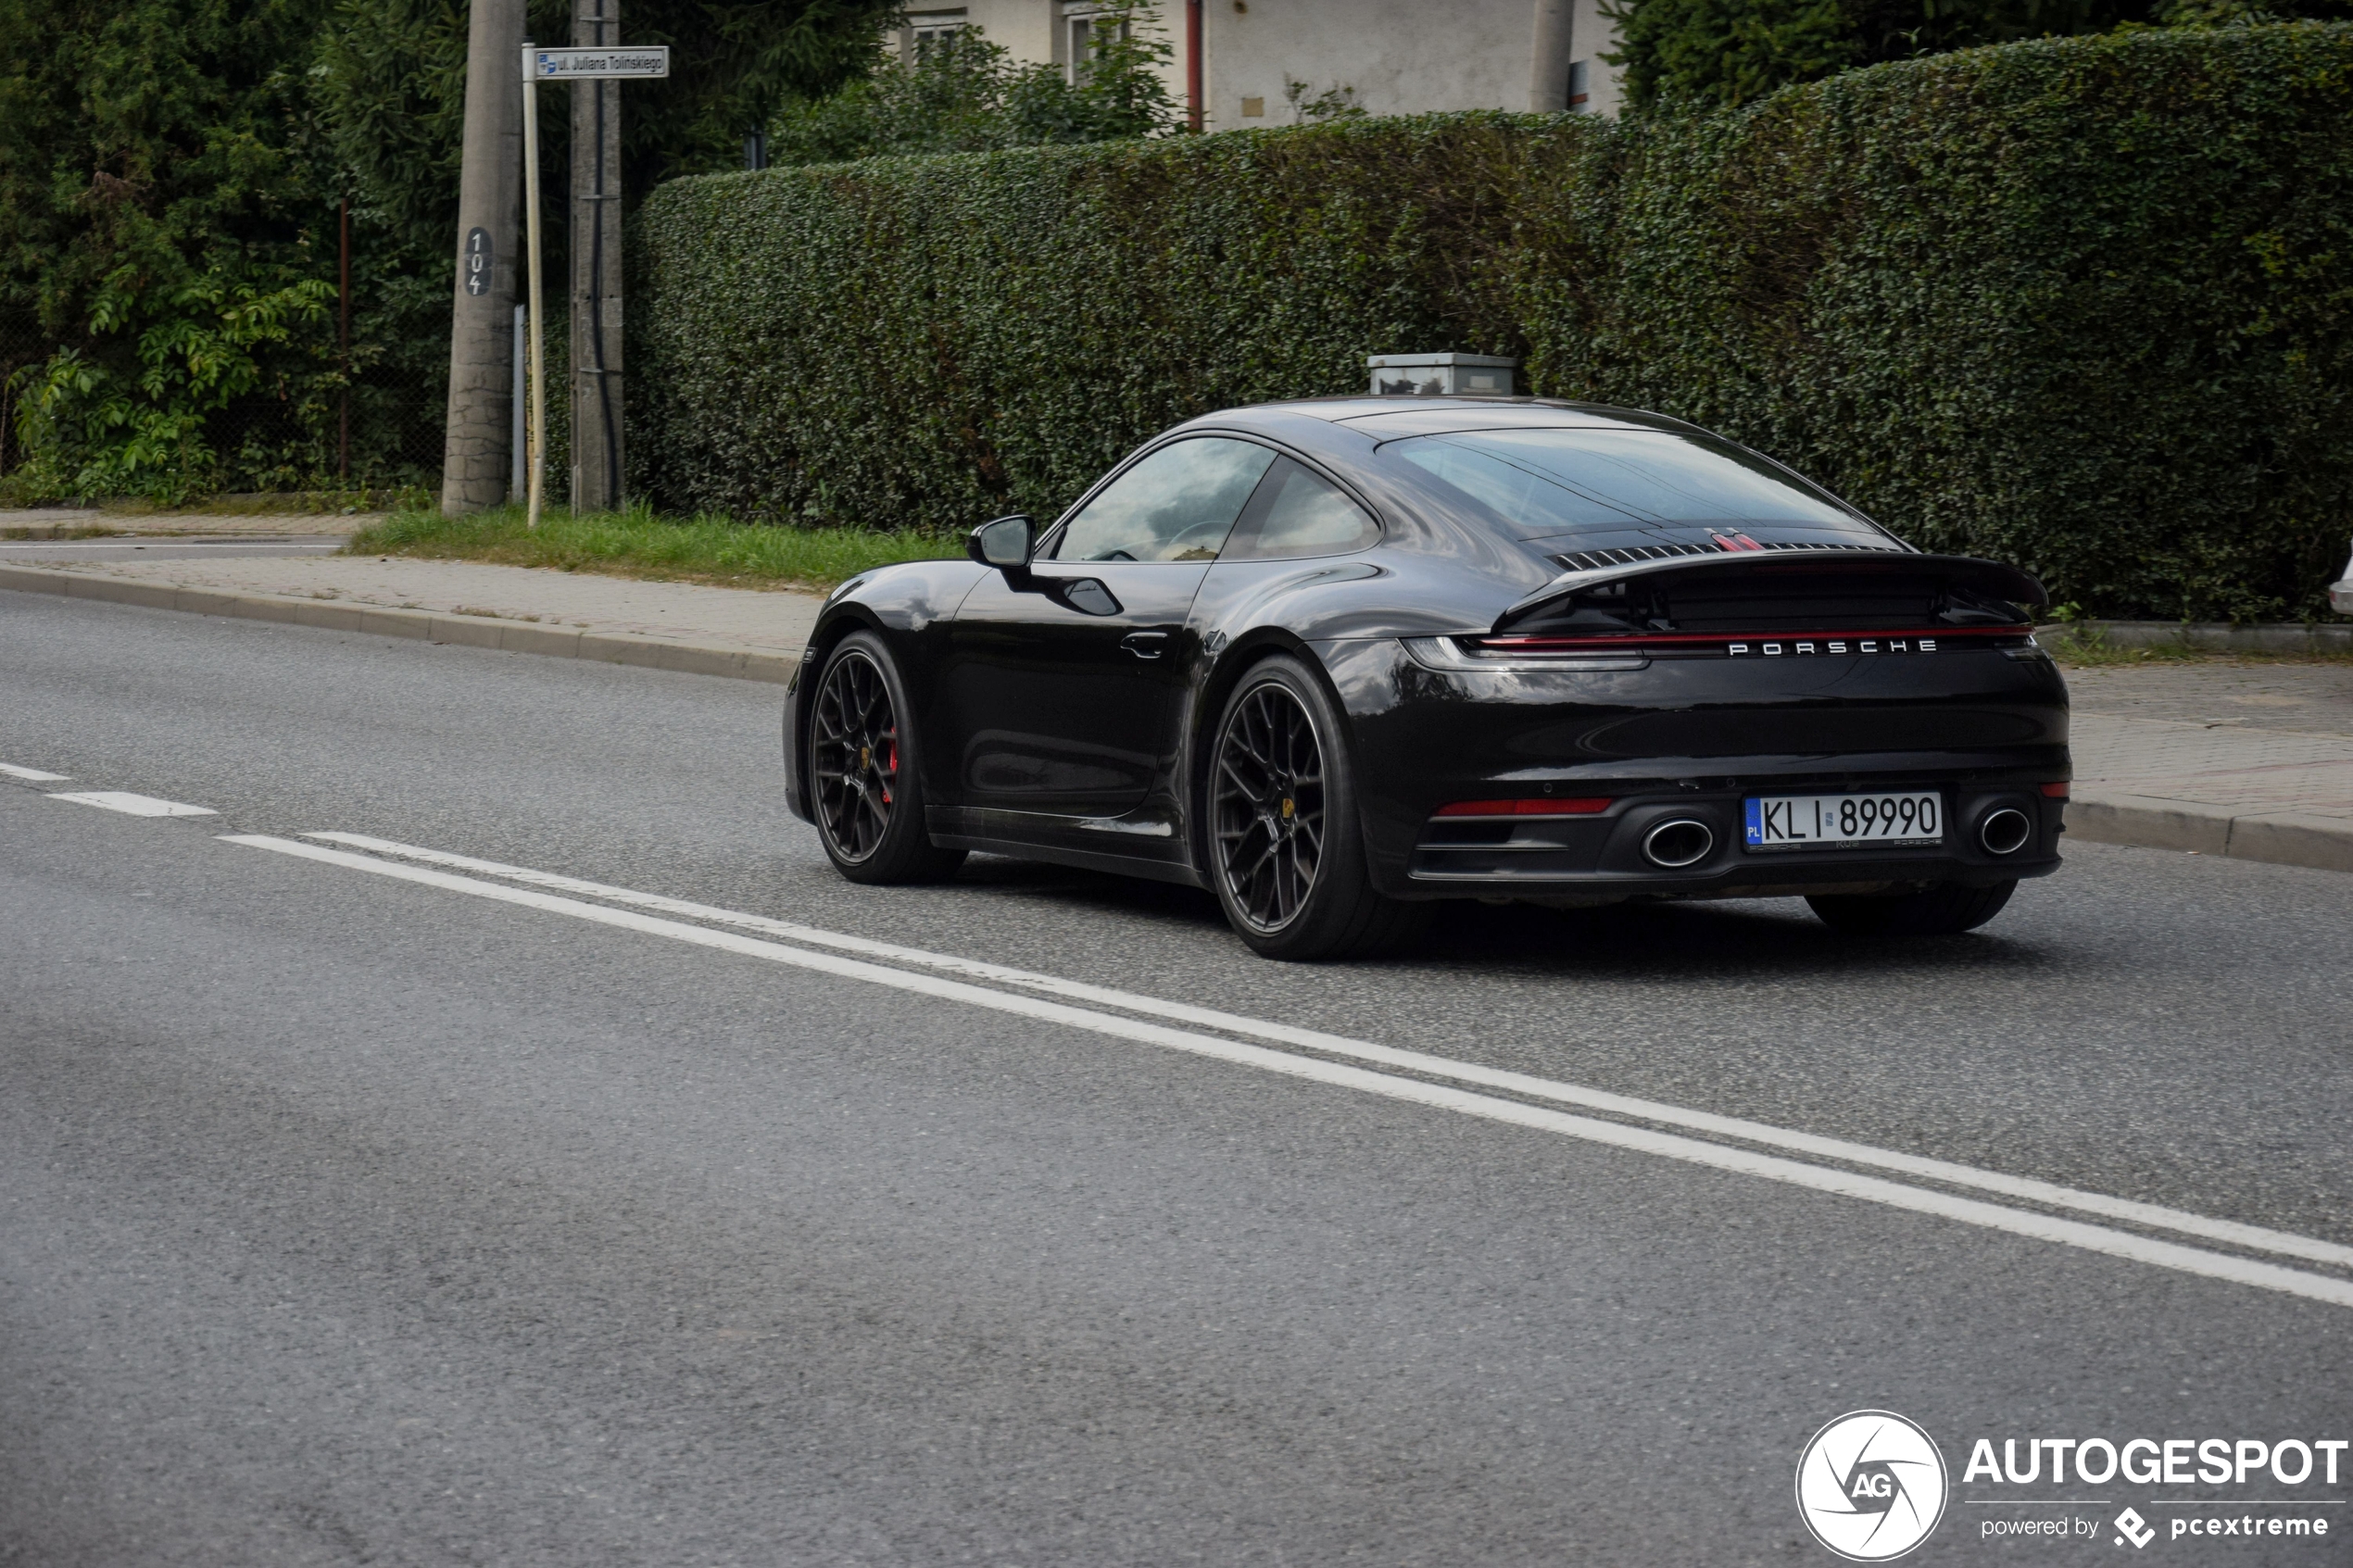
2092,651
639,544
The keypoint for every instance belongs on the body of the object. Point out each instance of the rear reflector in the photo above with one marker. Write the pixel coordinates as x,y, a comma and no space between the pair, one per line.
2056,791
1584,806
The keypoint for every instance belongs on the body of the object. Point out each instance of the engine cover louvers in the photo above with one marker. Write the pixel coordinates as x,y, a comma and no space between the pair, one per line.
1590,560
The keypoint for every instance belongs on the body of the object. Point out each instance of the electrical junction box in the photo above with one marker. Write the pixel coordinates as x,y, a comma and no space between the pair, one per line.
1438,375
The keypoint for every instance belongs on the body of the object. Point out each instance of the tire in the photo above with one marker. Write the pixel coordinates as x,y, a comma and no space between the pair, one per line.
1942,909
1286,848
864,780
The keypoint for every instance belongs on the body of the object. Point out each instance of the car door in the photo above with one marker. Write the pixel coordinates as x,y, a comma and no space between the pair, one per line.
1065,683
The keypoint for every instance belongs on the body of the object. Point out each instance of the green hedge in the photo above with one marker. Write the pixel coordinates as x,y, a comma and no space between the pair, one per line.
2079,304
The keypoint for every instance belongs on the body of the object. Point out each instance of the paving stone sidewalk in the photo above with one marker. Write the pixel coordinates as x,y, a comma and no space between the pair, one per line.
2252,760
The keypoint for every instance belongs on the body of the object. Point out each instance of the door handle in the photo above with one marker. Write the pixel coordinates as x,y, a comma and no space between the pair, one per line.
1145,645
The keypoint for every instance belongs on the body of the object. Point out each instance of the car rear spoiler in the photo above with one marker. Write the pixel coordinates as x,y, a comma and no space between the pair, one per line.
1990,577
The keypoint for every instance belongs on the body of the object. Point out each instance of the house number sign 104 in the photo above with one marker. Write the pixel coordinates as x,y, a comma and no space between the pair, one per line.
477,262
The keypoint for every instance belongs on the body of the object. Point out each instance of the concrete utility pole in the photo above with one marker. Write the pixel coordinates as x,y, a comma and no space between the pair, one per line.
1551,55
596,271
475,455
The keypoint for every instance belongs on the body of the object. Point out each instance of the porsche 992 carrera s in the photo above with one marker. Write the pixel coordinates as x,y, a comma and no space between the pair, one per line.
1336,660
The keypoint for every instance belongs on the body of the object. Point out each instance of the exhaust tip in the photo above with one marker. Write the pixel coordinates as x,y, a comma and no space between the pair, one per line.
1678,843
2004,831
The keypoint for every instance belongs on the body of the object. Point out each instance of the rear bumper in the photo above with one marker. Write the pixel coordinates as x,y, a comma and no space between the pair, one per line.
1693,741
1601,856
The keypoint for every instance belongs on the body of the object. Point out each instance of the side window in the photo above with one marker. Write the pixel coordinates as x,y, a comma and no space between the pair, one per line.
1178,504
1298,513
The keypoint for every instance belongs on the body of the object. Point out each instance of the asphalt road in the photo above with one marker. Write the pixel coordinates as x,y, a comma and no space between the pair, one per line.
352,1219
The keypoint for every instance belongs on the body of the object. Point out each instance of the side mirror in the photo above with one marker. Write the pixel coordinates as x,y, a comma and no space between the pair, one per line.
1003,543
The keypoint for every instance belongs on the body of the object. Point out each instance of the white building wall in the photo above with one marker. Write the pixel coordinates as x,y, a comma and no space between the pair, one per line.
1401,56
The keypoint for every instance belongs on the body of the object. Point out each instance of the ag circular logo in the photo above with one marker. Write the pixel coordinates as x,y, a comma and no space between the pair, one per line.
1870,1485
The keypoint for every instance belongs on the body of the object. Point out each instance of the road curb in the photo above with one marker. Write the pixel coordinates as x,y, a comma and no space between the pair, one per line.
2279,838
429,626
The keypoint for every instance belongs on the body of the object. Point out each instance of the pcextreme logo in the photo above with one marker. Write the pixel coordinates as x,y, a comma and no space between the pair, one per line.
1870,1485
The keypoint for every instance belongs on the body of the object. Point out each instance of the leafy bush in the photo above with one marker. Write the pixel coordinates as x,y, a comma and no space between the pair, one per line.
2083,304
91,430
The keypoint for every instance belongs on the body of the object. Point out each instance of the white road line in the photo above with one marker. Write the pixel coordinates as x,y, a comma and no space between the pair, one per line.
136,804
33,775
1848,1184
2023,1188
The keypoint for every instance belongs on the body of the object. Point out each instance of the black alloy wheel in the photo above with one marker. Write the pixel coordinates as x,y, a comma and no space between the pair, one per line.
1270,806
862,778
1286,853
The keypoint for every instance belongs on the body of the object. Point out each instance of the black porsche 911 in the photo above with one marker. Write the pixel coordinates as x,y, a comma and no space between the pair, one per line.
1337,659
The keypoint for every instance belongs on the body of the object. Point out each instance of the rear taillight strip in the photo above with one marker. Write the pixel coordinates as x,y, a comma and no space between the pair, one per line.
1765,644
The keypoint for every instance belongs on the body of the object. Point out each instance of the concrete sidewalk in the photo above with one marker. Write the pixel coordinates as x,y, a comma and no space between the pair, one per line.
703,630
2249,760
2253,762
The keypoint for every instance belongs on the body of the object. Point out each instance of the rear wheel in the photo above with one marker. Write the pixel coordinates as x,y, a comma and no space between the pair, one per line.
862,777
1939,910
1286,855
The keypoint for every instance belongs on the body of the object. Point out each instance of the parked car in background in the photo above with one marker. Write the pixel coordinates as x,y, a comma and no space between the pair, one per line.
1336,661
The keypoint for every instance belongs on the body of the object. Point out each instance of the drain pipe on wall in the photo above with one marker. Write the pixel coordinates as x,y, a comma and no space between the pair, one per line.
1193,67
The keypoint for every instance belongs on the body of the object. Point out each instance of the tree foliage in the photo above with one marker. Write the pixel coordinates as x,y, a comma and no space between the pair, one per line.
965,93
171,176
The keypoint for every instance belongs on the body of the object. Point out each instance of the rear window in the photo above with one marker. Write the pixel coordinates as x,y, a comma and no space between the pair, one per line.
1586,480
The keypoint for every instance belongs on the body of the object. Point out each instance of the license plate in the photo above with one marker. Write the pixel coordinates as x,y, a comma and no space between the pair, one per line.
1836,822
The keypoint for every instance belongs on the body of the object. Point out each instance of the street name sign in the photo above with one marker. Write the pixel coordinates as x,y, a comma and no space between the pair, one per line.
586,65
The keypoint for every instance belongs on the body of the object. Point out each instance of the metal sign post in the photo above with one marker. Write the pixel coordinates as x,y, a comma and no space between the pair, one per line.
566,65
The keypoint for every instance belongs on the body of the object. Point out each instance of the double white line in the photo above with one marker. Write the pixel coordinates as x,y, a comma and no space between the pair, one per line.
1035,996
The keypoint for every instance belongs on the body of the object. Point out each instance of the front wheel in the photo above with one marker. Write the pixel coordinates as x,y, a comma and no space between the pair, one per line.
1942,909
1286,855
863,776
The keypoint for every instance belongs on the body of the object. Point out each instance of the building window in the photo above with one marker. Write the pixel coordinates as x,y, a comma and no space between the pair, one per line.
1576,93
926,31
1079,40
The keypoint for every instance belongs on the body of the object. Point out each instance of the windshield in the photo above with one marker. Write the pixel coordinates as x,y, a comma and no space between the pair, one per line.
1592,480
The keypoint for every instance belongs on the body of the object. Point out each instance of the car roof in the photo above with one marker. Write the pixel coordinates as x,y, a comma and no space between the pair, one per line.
1388,419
